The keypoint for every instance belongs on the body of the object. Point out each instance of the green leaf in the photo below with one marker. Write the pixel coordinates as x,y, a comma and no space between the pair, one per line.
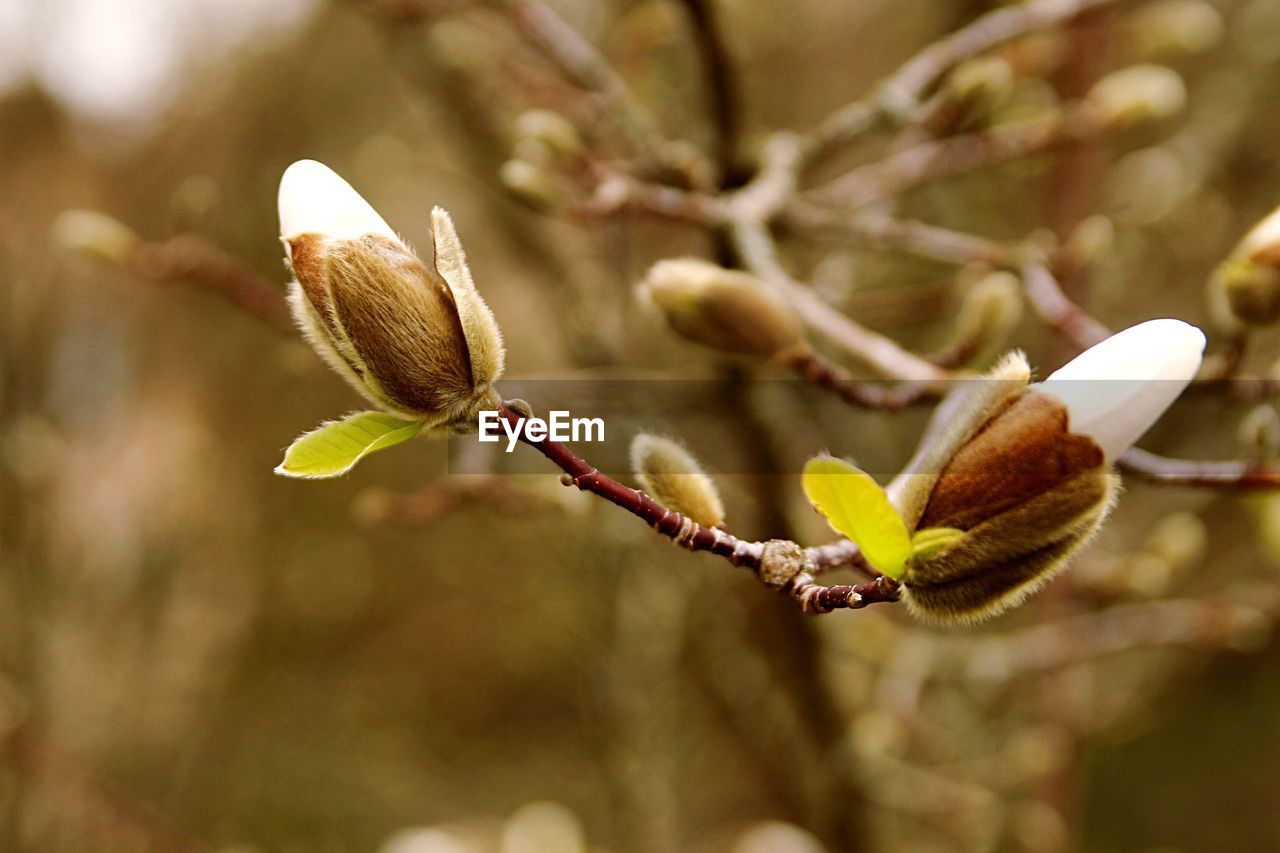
932,539
335,447
857,507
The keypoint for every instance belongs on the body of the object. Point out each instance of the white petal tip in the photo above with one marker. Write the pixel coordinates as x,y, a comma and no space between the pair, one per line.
1116,390
314,199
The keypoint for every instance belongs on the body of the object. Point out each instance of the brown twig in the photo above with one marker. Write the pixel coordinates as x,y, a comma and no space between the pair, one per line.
815,368
1229,474
905,235
579,61
781,564
198,261
898,97
876,351
1056,308
721,86
935,159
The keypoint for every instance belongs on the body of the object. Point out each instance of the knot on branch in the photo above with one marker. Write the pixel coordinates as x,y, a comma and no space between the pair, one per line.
781,562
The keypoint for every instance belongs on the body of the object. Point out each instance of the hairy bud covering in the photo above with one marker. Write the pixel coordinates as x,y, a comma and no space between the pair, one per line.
416,339
1023,472
724,309
671,475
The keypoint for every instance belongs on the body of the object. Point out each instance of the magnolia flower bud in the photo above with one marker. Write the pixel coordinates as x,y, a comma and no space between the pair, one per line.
724,309
415,339
1259,431
1024,471
1090,240
1137,95
991,308
671,475
530,183
979,86
1172,28
549,129
95,235
1248,281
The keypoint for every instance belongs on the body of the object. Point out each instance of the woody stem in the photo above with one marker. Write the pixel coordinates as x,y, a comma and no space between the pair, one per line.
688,534
685,532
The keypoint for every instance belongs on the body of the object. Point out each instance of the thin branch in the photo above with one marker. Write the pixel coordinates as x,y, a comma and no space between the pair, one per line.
906,235
935,159
900,95
813,367
1056,308
579,61
616,192
1229,474
198,261
781,564
913,80
883,355
723,97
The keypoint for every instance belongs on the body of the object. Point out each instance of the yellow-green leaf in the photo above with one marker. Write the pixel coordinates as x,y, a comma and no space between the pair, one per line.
856,506
335,447
932,539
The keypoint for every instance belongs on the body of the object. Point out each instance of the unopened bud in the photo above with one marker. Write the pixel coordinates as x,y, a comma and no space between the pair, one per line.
980,86
550,129
1251,291
1248,281
992,307
1024,472
1173,28
1037,54
1180,539
1260,432
415,339
671,475
530,183
1090,240
1028,493
1137,95
95,235
723,309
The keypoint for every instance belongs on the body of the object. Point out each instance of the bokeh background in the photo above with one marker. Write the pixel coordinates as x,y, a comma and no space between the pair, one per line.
197,654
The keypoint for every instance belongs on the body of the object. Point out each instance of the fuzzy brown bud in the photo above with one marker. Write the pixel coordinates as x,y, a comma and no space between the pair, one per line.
671,475
724,309
414,338
1021,475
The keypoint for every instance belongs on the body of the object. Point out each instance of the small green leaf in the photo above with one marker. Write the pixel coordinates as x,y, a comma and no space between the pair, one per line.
335,447
857,507
932,539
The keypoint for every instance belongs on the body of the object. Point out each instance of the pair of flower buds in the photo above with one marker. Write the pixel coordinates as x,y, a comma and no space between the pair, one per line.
1010,479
